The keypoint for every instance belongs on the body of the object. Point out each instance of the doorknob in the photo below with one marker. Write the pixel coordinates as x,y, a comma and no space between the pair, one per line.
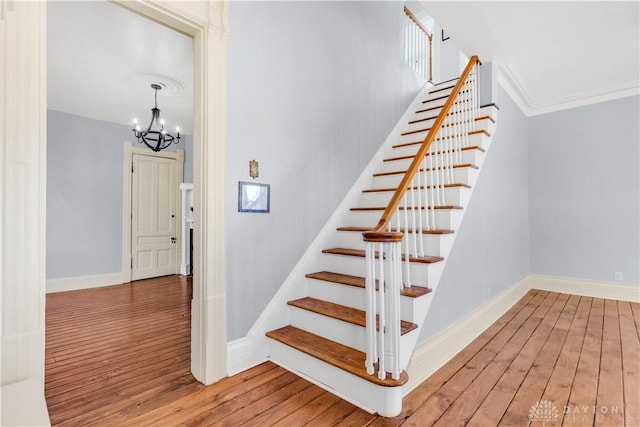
173,240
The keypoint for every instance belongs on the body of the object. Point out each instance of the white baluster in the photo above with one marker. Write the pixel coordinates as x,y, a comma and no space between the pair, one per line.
421,208
405,239
393,311
414,236
381,314
370,323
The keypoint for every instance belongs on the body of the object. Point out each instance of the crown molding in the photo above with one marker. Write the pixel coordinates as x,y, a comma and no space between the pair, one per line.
511,84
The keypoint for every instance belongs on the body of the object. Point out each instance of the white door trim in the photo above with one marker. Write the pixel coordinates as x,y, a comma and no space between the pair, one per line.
207,23
129,151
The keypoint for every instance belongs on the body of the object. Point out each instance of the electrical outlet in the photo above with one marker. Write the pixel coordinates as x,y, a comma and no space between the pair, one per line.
617,276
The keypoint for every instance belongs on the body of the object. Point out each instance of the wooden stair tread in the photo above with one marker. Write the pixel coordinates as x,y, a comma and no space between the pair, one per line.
424,110
433,118
363,229
461,165
411,156
445,96
450,86
407,144
342,312
360,253
425,119
436,98
415,187
357,281
381,208
346,358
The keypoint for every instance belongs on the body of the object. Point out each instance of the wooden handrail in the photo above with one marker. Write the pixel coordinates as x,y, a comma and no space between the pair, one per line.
415,21
381,227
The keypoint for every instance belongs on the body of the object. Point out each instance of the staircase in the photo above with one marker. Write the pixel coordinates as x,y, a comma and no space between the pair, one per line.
324,323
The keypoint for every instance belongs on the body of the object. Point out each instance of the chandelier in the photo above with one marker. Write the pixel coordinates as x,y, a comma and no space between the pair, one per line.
155,138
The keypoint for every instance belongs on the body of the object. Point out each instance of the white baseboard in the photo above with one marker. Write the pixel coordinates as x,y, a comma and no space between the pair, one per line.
23,404
585,287
244,353
434,352
437,350
84,282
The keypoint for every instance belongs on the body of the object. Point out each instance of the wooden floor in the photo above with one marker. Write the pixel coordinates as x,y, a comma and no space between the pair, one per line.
120,356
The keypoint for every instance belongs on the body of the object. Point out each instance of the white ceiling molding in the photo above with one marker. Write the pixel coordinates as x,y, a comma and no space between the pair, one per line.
551,55
511,85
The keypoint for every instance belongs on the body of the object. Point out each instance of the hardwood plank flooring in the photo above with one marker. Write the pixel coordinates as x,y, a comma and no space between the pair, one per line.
120,355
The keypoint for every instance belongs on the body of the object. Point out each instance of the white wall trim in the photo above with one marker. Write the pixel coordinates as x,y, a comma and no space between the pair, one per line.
437,350
207,23
586,287
23,404
23,180
242,354
85,282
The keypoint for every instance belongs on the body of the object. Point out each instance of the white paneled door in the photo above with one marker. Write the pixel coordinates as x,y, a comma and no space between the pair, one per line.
153,217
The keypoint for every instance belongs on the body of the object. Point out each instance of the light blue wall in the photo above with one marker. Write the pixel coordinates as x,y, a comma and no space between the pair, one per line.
584,188
559,194
84,194
491,250
313,90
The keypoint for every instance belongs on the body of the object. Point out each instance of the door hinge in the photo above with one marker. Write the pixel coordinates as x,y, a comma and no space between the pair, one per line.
132,262
131,167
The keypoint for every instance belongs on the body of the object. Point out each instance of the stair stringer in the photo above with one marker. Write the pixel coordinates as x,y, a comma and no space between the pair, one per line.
294,286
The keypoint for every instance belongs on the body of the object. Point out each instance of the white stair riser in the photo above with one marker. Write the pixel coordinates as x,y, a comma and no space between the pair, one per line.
333,329
453,196
463,157
419,113
386,401
435,100
421,274
434,244
446,219
480,140
484,124
355,297
327,327
428,118
462,175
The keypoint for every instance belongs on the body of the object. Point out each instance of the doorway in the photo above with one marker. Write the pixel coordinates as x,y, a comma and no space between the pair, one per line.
25,52
204,294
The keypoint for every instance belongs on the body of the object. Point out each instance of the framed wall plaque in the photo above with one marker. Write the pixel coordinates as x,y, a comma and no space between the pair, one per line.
253,197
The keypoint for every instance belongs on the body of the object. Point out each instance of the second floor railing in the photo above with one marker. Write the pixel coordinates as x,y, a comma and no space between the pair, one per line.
418,44
397,239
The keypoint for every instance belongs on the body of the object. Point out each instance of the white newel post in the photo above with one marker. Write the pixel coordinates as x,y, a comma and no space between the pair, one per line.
383,283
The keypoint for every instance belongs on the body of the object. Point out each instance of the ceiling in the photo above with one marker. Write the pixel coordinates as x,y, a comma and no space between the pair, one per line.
102,60
551,55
